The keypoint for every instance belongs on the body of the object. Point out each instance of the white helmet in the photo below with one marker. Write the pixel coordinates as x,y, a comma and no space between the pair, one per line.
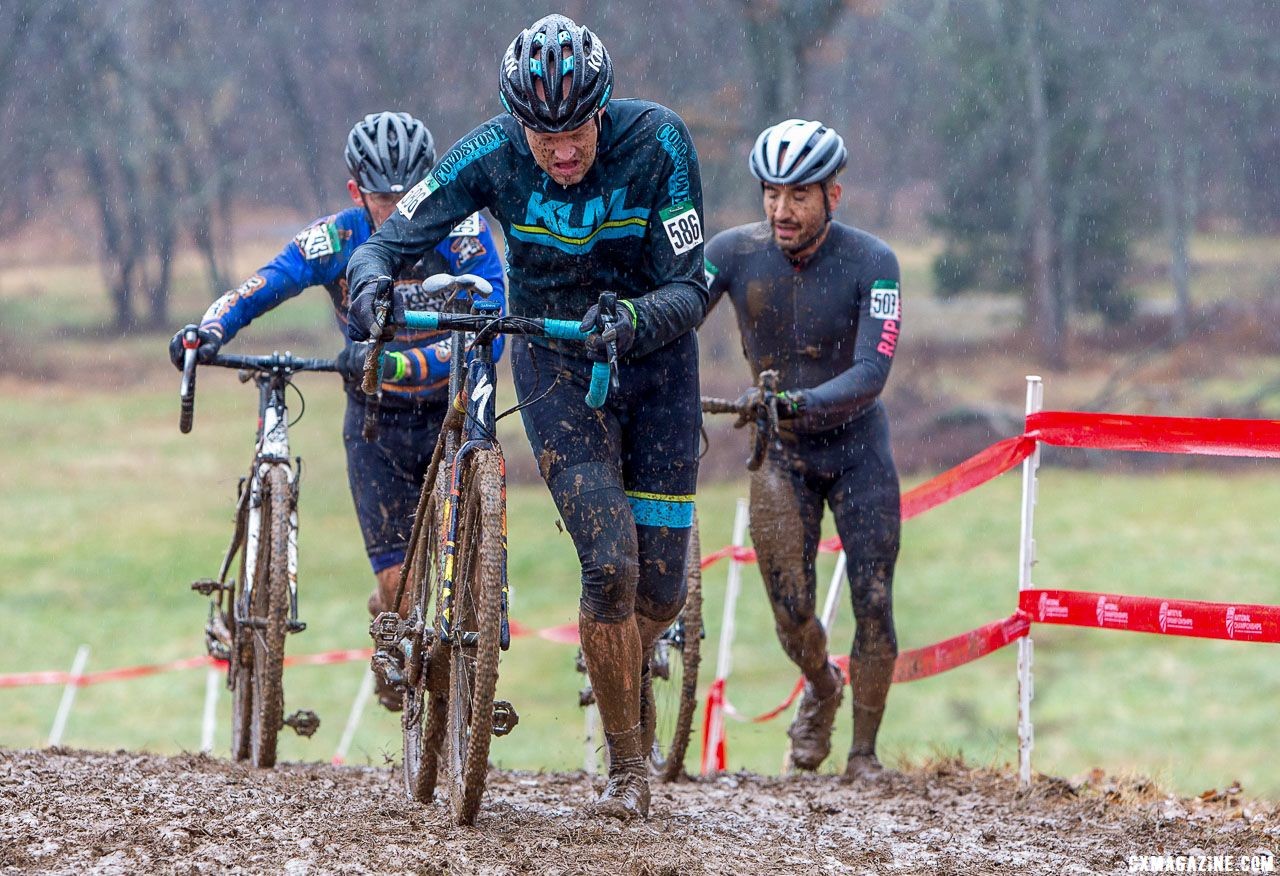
813,153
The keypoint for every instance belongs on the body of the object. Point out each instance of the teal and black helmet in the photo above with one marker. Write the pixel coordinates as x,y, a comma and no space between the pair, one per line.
571,64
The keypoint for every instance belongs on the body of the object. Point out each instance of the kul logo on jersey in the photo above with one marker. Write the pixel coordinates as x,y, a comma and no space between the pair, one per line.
575,228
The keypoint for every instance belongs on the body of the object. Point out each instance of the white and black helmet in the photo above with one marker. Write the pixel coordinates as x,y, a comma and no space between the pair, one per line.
571,63
796,153
389,152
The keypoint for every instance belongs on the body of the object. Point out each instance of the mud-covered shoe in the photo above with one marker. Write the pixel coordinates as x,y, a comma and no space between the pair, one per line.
810,732
388,678
864,768
390,696
626,797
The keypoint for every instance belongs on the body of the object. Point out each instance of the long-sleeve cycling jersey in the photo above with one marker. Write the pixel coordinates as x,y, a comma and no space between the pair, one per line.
318,256
829,326
632,226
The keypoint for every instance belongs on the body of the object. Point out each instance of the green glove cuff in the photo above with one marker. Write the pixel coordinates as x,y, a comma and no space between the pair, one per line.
635,320
398,366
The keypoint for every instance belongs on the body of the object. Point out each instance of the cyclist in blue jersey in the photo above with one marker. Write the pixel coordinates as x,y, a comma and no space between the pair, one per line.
387,154
818,301
594,195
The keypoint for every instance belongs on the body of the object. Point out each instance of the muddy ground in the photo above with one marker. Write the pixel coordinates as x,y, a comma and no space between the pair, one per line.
83,812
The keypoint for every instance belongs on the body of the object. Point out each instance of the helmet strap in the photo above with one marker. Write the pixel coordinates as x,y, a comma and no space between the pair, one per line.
368,214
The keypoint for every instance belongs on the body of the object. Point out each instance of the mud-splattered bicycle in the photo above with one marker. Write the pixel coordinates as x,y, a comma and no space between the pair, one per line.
250,615
445,660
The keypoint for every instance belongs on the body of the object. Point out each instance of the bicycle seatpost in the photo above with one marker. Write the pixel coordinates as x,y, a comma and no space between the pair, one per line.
187,390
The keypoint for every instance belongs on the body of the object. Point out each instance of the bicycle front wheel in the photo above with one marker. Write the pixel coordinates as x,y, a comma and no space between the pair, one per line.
422,719
674,667
269,617
477,608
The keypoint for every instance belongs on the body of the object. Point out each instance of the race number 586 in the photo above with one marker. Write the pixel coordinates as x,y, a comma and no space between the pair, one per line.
683,227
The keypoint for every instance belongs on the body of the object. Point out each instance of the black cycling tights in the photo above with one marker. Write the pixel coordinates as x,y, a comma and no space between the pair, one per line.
623,477
851,469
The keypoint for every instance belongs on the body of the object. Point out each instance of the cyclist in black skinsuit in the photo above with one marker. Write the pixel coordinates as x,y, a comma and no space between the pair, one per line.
593,196
818,301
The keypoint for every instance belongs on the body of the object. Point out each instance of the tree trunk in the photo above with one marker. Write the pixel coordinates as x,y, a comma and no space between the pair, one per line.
1050,335
1177,203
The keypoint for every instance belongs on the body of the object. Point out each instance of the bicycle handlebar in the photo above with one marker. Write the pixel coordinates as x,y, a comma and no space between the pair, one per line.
712,405
275,362
286,361
764,409
559,329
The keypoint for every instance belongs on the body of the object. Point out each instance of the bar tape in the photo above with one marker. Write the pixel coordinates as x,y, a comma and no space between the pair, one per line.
1232,621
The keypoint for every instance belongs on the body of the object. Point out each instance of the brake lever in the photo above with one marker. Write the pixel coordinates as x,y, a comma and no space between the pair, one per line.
187,389
607,320
372,383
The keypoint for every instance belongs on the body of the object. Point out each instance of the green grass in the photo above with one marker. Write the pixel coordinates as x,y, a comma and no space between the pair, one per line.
107,513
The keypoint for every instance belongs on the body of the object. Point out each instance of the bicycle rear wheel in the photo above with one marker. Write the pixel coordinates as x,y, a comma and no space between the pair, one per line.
426,667
269,612
674,667
477,608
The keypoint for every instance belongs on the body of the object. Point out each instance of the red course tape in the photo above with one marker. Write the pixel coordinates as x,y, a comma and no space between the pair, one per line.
1194,435
1232,621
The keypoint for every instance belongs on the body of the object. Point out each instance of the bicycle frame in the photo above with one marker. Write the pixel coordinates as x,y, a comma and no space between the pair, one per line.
475,393
272,375
272,449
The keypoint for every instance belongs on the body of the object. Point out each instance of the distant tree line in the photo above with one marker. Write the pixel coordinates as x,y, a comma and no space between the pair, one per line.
1055,134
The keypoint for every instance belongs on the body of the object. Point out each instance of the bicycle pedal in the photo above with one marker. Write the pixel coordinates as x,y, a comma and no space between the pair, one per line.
586,697
207,586
387,629
505,718
386,667
304,722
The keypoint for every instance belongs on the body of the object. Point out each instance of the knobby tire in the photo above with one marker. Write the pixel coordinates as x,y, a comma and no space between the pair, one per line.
473,669
422,719
270,604
678,693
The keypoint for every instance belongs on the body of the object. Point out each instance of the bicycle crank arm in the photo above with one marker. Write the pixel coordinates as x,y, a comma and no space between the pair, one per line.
505,718
304,722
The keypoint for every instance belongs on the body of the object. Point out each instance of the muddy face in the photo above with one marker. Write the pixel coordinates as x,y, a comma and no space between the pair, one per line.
566,157
798,215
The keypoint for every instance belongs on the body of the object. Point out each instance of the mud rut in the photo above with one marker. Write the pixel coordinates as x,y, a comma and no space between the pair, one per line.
77,812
